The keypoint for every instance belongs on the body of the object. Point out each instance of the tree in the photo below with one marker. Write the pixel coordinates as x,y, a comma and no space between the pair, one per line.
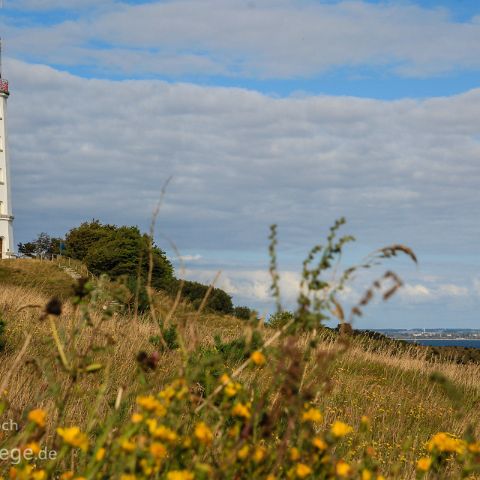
43,246
218,300
119,252
79,240
244,313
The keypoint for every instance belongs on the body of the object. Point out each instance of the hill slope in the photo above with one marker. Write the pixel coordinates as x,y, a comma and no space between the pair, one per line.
360,378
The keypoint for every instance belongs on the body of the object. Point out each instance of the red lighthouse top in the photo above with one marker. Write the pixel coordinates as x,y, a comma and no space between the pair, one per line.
4,86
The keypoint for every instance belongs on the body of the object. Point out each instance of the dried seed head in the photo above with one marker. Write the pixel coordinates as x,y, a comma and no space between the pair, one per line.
54,307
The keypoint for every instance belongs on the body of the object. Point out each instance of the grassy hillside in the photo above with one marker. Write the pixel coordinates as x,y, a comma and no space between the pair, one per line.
41,276
87,366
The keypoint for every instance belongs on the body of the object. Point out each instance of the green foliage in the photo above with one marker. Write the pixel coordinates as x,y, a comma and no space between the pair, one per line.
244,313
239,349
218,300
280,319
120,251
170,337
43,246
138,291
79,240
2,335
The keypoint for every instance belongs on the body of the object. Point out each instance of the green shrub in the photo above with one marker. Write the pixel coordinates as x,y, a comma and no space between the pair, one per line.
280,319
218,300
244,313
2,335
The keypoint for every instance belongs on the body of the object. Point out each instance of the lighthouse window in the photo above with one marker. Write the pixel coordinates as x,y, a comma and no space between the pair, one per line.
1,175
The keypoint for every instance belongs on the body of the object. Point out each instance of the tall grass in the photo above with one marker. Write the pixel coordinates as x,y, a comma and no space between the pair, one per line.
182,394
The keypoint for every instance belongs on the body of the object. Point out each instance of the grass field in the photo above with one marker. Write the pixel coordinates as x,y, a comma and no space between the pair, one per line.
82,368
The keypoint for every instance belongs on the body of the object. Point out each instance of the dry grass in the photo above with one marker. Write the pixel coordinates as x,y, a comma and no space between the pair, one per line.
393,390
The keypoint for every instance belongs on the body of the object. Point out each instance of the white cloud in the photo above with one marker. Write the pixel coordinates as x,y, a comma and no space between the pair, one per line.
56,4
268,39
190,258
402,171
424,293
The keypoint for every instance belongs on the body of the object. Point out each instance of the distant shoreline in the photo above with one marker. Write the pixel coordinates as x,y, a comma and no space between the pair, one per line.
439,339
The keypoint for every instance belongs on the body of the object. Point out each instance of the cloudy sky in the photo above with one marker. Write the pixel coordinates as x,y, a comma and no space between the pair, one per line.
293,112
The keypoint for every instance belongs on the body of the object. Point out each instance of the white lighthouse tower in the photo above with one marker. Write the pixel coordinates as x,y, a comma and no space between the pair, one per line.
6,217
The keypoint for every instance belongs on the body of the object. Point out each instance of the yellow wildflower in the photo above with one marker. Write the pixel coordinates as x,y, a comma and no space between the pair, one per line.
127,477
168,393
137,418
365,421
258,358
151,404
381,477
319,443
366,474
271,477
424,464
128,446
225,379
146,468
259,454
74,437
294,454
302,470
243,452
161,431
39,475
158,450
474,447
241,410
100,455
38,416
34,447
203,433
312,415
66,476
180,475
445,442
232,389
340,429
343,469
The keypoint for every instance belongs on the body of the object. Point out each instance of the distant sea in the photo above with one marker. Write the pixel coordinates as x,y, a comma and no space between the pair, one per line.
447,343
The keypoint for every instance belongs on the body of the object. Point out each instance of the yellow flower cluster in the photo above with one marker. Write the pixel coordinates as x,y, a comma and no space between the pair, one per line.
340,429
312,415
203,433
231,388
165,439
444,442
74,437
241,410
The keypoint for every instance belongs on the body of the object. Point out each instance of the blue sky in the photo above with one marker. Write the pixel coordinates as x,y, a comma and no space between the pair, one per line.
288,111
